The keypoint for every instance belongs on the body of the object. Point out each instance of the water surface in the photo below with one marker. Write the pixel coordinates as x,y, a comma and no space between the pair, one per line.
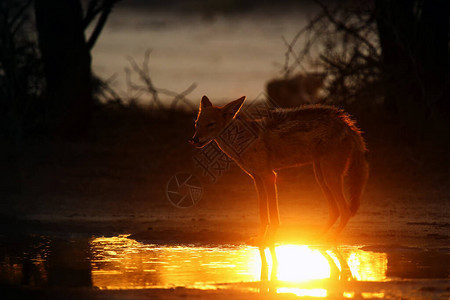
116,263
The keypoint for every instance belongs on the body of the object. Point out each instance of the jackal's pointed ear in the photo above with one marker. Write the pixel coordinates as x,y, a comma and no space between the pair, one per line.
233,107
205,102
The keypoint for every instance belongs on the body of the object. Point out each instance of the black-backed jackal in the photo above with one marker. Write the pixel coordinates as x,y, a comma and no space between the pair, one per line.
324,136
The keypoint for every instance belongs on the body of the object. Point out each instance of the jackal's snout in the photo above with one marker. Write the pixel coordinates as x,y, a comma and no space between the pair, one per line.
193,140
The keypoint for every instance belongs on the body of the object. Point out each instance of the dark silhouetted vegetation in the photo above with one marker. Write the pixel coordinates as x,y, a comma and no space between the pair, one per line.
46,82
66,55
67,62
21,72
383,51
47,89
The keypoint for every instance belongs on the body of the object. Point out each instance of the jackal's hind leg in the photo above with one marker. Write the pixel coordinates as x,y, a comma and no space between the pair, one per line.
333,171
333,213
335,185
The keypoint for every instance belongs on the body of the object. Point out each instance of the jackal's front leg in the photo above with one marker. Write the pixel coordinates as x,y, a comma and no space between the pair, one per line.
272,201
268,209
263,212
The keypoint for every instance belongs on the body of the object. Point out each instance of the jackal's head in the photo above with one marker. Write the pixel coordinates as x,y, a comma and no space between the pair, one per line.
211,120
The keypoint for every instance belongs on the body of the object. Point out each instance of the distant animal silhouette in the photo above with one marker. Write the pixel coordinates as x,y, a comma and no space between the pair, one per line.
324,136
297,90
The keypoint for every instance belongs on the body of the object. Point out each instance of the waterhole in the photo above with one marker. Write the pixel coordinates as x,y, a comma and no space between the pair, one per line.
304,270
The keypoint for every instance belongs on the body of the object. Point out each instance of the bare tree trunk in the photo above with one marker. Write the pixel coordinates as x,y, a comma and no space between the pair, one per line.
391,17
67,63
414,38
433,52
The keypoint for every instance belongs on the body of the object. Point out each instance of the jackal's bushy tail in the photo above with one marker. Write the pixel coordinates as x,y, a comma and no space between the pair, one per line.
358,173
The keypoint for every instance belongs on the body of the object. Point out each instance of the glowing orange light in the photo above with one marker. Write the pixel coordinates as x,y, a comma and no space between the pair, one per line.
123,263
303,292
368,266
300,263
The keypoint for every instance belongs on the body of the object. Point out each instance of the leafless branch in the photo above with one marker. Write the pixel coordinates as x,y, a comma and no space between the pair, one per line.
20,16
179,97
96,7
93,9
143,73
347,29
346,49
106,90
288,68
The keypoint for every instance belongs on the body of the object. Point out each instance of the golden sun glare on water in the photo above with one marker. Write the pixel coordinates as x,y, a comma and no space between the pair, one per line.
123,263
300,263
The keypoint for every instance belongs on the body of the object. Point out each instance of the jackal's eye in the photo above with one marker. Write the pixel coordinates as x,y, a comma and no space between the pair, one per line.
210,125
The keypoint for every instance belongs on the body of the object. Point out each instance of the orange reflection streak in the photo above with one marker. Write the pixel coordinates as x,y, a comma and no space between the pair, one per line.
368,266
122,263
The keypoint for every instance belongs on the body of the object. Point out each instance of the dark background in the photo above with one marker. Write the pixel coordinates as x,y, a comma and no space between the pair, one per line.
74,151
